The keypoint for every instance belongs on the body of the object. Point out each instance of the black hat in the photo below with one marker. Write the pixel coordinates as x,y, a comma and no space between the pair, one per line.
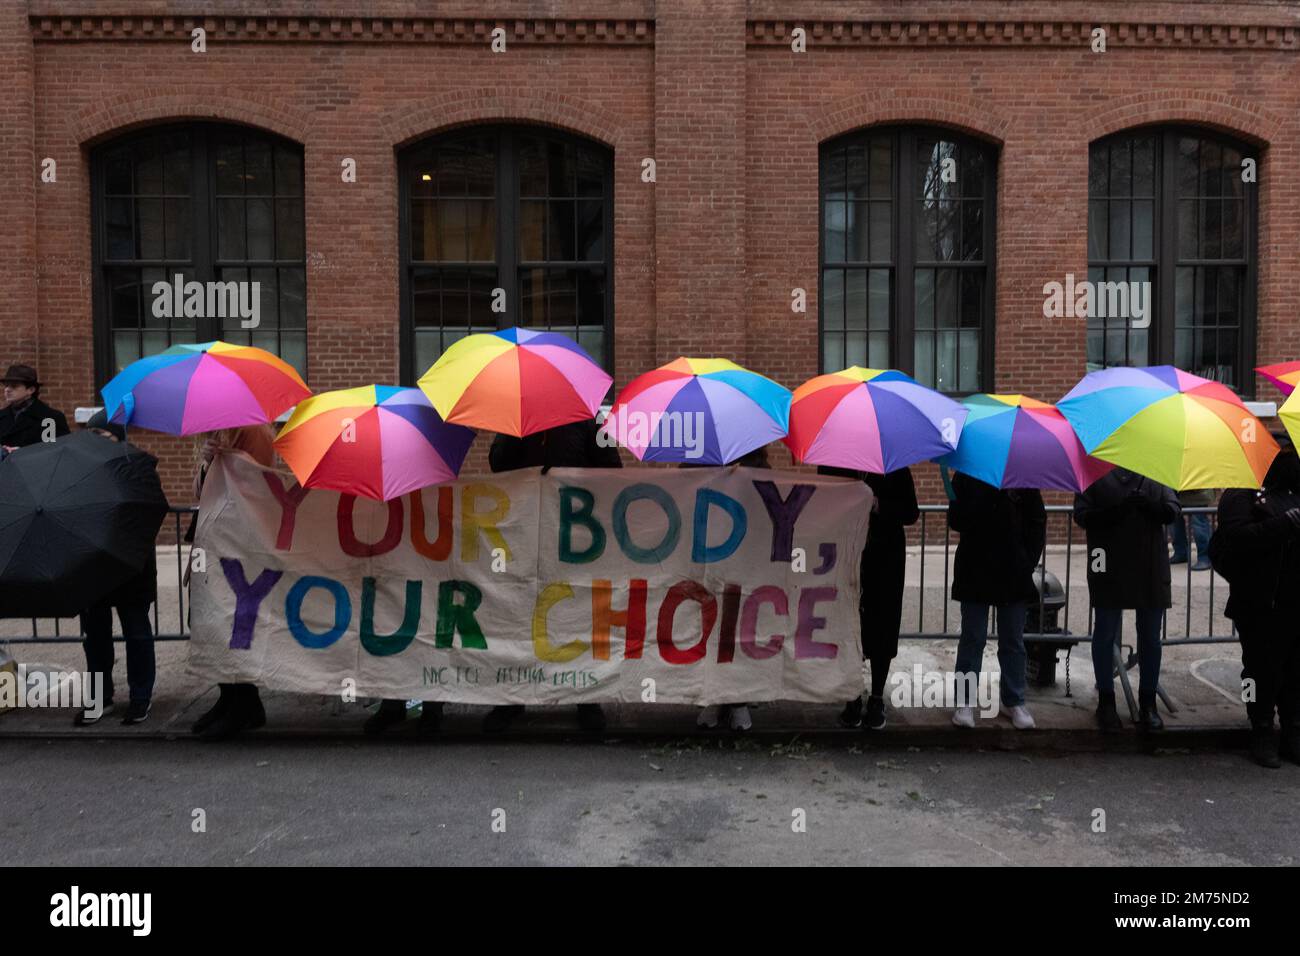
100,420
22,375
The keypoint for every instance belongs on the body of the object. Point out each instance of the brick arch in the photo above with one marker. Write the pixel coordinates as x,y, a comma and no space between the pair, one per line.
121,114
465,107
891,105
1227,114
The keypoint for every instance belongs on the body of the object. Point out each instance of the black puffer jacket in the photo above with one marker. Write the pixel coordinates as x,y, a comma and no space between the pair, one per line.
1002,534
1126,518
1256,545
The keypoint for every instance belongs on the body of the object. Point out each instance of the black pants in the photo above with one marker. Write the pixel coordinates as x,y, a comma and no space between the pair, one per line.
97,625
1270,656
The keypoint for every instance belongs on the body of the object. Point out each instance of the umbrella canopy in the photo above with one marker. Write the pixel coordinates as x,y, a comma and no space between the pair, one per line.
1285,375
1173,427
707,411
78,519
379,441
515,381
191,389
1013,441
871,420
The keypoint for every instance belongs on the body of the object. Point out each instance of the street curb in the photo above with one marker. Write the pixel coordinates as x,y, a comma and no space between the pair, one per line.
1201,739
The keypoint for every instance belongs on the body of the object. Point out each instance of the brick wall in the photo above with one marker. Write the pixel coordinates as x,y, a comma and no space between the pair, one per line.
706,257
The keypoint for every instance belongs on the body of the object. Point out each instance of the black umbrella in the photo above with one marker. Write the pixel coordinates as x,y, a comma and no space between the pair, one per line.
78,518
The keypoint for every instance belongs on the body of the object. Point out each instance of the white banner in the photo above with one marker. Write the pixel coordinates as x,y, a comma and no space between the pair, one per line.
702,585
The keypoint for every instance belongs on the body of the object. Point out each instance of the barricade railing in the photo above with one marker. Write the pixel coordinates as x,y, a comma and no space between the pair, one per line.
1196,616
1183,624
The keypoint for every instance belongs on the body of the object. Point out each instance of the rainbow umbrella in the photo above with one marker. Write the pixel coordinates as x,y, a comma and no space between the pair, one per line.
515,381
706,411
1290,415
1013,441
1173,427
871,420
379,441
1285,375
191,389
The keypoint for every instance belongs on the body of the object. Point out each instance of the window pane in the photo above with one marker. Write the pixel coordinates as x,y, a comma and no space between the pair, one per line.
879,308
833,299
972,230
882,167
836,230
859,250
532,230
591,230
1143,229
289,222
856,166
855,299
149,228
260,228
923,294
230,229
881,231
560,235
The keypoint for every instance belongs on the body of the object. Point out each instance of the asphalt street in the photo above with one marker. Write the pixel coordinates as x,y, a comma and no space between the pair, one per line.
631,802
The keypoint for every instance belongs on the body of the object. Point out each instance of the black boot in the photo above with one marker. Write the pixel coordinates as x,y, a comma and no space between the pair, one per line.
1263,746
1149,716
500,718
430,719
244,713
1289,745
224,696
851,715
1107,717
390,714
591,718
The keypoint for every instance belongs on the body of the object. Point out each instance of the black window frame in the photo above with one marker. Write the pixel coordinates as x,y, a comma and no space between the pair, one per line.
1162,347
903,266
204,224
508,261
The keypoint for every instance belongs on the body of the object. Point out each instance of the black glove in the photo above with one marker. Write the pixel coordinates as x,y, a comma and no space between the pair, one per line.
1294,515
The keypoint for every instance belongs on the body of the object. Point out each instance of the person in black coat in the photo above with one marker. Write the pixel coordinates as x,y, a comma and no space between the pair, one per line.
883,569
131,601
1002,536
25,419
1256,547
1126,516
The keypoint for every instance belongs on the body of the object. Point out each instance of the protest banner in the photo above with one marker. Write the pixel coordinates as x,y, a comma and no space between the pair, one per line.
580,585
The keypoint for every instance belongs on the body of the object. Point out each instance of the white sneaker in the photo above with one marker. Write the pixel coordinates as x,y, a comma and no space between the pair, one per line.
964,717
1020,716
708,717
740,718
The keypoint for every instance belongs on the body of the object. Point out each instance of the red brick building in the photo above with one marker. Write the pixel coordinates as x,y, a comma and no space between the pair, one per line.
920,170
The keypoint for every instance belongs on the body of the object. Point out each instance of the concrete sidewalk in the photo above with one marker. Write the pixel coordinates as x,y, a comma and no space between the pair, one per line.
1200,681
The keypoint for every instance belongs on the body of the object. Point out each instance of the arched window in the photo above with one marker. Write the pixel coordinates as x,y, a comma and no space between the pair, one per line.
907,238
501,226
1176,208
212,203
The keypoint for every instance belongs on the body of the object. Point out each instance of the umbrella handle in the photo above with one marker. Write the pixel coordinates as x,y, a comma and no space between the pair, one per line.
947,482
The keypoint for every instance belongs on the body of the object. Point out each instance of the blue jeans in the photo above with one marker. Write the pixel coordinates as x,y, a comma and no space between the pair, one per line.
1105,632
1011,646
1200,534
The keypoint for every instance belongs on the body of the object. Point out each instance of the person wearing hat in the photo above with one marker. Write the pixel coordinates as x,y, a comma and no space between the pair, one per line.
131,601
25,419
1256,547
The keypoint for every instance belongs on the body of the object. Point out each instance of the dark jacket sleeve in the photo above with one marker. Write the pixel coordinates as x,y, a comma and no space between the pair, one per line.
898,498
1033,524
506,453
60,424
1239,530
962,510
1161,502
